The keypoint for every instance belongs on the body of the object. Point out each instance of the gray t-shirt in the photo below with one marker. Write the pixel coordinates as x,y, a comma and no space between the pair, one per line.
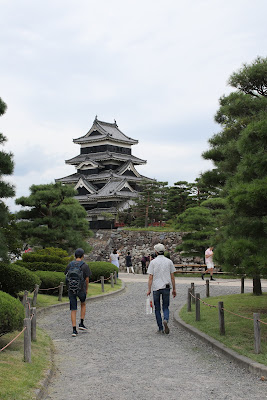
161,268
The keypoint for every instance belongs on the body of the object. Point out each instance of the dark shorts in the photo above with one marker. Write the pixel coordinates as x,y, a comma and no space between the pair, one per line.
73,299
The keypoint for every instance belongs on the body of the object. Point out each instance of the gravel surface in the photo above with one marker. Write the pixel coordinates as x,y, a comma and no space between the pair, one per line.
122,356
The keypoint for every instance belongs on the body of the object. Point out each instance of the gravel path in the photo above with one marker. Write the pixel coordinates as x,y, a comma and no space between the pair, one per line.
122,356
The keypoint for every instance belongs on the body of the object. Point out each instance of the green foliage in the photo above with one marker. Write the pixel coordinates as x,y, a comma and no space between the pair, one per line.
101,268
11,313
251,79
198,225
52,217
240,157
51,280
36,257
150,206
42,266
6,190
14,279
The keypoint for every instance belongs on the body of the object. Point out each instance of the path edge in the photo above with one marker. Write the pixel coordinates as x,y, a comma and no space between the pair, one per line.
41,392
243,361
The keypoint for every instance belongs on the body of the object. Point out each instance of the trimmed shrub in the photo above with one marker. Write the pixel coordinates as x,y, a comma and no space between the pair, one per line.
44,258
48,259
11,313
42,266
50,280
53,251
14,278
101,268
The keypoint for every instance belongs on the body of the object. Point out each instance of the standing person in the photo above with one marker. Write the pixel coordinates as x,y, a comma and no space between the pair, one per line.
161,275
114,259
77,278
143,263
209,263
128,261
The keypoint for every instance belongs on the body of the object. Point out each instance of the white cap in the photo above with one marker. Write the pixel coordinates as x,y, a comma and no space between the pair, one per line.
159,247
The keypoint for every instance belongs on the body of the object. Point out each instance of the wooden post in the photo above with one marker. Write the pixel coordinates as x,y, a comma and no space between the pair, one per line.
115,277
193,292
189,300
33,324
27,309
197,307
242,284
102,283
257,333
221,318
27,340
34,300
207,288
25,296
112,280
60,291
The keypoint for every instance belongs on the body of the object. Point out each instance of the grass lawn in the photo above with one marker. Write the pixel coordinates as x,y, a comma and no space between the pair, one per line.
17,378
239,332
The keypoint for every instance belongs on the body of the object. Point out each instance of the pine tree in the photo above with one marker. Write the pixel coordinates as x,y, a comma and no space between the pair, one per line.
150,205
240,157
53,218
6,189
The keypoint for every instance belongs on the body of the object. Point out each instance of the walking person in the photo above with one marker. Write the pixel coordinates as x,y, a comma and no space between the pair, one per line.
161,277
143,263
209,263
77,279
128,261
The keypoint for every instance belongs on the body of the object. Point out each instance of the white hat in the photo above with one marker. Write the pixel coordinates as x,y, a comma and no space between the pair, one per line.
159,247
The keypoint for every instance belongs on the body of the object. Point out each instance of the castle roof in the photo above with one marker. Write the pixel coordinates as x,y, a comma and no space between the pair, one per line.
101,130
107,155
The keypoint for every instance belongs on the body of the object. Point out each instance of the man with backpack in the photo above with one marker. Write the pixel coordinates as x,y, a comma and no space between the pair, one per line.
77,279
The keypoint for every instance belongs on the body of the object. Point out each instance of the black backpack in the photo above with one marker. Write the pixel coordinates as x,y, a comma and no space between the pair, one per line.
74,277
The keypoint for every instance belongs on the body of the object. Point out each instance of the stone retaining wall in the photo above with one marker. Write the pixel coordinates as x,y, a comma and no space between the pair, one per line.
138,243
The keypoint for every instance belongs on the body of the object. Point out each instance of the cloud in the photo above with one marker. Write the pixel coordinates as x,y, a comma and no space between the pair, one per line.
157,67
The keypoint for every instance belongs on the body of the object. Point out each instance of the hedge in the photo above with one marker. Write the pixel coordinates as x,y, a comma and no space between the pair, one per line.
52,251
11,313
35,257
42,266
14,279
101,268
50,280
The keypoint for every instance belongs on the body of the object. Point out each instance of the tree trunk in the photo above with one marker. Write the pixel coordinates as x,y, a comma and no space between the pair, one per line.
257,286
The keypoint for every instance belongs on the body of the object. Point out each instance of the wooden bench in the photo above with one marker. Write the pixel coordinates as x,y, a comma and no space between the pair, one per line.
191,268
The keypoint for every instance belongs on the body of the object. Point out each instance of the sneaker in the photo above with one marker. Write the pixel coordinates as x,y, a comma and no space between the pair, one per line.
160,331
212,279
82,327
74,333
166,328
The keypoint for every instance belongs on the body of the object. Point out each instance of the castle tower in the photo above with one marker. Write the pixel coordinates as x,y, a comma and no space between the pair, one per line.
106,178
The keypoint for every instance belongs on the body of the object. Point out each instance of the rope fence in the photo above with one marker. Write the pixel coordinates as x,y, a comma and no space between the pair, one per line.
29,303
195,298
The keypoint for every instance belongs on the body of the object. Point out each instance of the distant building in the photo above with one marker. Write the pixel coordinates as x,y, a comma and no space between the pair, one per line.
105,178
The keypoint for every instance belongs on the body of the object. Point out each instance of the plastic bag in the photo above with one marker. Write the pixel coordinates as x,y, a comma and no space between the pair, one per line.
149,305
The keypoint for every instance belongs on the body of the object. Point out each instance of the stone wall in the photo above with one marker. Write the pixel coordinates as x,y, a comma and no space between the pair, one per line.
137,243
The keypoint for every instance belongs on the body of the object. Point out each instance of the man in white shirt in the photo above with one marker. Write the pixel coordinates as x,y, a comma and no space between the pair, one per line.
209,263
161,275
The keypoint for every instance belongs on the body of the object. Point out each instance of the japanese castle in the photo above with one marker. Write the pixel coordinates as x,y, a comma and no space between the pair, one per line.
106,179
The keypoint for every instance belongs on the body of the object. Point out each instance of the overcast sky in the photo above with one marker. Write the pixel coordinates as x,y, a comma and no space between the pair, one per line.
157,67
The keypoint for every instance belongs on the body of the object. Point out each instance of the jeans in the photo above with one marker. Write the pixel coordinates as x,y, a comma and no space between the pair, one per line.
165,293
